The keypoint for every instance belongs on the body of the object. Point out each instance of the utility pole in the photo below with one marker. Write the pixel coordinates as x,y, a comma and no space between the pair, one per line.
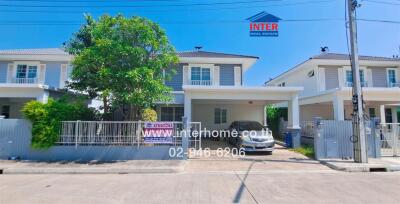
359,135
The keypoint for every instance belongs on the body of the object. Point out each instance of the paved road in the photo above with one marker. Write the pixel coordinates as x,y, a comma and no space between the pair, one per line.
275,186
284,177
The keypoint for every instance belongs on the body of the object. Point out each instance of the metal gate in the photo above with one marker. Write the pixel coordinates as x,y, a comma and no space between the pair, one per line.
195,135
390,139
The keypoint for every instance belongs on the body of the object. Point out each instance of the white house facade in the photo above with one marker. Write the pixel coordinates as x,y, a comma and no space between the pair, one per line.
209,88
31,74
327,82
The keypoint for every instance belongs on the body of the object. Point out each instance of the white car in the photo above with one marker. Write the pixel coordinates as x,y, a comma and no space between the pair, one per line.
251,136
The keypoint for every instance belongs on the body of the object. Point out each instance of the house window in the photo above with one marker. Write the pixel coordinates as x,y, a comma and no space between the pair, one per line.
391,77
220,116
388,115
171,113
200,76
349,78
372,113
5,111
25,71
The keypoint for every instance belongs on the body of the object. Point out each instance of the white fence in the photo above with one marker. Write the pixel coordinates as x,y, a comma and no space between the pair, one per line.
390,139
118,133
307,129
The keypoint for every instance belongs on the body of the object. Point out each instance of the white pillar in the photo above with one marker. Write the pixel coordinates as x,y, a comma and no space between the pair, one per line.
382,114
293,112
188,108
338,108
265,116
44,97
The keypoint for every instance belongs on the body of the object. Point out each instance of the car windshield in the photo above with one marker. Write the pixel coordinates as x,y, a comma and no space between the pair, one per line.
249,126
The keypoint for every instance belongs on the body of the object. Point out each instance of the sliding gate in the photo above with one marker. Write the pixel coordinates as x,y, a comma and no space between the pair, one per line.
390,139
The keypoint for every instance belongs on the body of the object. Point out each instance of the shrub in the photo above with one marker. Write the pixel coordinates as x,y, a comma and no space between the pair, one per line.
46,119
149,115
305,150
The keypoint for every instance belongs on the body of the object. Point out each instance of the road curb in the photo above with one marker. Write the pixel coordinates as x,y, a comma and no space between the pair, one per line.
361,167
38,170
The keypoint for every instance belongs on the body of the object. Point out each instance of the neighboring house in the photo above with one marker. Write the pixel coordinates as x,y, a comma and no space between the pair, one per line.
209,88
327,82
31,74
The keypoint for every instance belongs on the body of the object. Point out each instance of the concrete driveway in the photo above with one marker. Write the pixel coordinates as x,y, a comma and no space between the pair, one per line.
281,159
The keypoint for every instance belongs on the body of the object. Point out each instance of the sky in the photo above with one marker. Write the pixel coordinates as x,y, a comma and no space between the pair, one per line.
216,25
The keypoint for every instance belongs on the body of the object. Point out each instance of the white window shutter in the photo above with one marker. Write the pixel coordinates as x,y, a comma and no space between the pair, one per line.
10,73
63,75
216,77
42,73
186,75
238,76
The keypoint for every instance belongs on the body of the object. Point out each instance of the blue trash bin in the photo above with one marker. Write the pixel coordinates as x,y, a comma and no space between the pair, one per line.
288,140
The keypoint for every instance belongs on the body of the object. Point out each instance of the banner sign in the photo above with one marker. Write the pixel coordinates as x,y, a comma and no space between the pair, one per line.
158,132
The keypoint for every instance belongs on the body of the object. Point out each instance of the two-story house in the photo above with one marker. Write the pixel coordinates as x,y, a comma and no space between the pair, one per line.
209,88
327,81
31,74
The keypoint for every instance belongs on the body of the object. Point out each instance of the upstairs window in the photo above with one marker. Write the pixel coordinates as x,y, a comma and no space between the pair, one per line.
200,76
349,78
392,76
25,71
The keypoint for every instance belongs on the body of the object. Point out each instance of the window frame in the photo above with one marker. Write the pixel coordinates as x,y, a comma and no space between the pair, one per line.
28,65
209,67
362,76
174,113
388,70
220,116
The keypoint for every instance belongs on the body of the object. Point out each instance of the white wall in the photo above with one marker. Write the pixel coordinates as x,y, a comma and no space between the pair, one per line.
301,79
204,113
308,112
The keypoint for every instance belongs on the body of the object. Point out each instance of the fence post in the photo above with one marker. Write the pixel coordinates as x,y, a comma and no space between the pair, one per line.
138,132
319,140
76,133
185,137
376,137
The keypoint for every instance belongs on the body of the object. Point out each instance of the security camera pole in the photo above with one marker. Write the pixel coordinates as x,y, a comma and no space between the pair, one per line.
359,135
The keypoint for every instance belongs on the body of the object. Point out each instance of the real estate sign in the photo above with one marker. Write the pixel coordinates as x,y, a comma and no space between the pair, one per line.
158,132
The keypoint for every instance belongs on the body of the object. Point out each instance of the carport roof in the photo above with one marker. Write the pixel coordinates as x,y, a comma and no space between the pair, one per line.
241,92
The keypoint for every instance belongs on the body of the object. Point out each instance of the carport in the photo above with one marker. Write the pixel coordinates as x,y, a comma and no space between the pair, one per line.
217,107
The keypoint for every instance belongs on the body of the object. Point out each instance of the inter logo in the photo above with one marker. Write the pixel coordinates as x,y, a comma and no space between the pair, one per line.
264,25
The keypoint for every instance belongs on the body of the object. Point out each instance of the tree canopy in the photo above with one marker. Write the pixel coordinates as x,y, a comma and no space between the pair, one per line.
123,61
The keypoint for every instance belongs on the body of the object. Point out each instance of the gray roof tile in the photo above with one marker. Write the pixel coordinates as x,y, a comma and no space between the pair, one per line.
36,51
336,56
211,54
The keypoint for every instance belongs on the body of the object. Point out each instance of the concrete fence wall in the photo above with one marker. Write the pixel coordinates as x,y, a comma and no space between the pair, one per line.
15,137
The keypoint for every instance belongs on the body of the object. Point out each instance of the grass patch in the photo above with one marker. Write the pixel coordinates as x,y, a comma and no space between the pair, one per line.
307,151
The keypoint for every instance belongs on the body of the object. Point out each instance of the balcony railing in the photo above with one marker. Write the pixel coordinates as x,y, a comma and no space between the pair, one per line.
201,82
24,80
392,85
363,84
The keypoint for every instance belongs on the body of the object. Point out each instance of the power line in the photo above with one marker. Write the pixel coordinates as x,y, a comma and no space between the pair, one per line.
90,1
18,23
169,10
383,2
138,6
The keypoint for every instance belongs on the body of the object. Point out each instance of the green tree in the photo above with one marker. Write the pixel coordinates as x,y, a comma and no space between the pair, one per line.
123,61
